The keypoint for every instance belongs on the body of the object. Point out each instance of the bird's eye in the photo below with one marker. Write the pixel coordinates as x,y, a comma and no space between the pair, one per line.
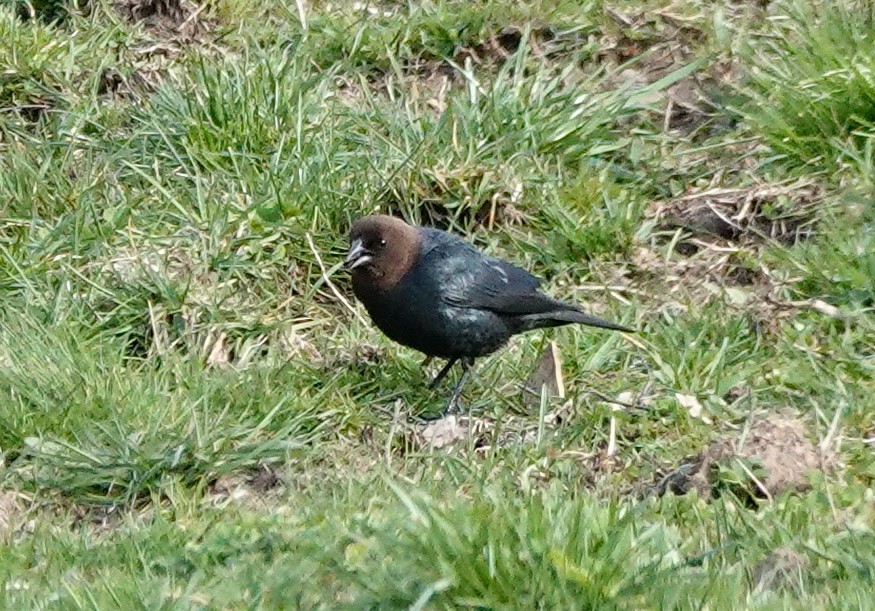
382,242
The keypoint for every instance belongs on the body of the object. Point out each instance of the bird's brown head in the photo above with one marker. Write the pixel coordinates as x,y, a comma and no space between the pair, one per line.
381,250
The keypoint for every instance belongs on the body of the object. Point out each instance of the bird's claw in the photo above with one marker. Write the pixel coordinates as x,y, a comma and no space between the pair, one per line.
453,406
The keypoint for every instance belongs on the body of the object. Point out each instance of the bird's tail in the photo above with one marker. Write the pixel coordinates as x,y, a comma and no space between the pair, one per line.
558,318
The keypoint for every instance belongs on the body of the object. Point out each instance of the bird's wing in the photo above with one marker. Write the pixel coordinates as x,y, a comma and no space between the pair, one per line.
484,283
462,277
468,279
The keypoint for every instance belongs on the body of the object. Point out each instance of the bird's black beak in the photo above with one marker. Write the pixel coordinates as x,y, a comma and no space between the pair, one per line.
357,255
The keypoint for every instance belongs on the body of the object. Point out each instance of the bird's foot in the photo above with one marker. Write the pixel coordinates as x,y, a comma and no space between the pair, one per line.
454,402
454,406
442,373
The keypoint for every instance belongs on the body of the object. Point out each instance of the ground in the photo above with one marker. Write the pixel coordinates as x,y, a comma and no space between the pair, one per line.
197,414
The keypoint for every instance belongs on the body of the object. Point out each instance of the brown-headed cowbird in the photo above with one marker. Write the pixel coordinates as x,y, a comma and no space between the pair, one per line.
435,292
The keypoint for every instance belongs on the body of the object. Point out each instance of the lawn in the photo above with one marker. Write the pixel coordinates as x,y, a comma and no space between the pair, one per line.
195,413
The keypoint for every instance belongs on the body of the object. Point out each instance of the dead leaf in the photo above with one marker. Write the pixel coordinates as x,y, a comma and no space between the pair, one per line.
560,414
547,375
444,432
220,353
690,403
826,309
627,397
737,296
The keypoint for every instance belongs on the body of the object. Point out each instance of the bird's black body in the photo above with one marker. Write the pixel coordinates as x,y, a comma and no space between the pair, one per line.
441,305
435,292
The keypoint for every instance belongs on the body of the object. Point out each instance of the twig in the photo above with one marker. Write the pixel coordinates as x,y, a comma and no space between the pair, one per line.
607,399
194,15
645,392
330,284
612,434
833,427
593,287
755,479
671,480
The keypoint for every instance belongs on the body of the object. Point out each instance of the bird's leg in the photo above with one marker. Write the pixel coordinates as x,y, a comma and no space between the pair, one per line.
426,361
443,373
467,368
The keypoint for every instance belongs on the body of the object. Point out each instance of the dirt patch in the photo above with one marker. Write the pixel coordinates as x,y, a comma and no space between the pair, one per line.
166,19
709,273
171,26
716,236
453,432
784,212
35,108
779,569
544,42
770,457
254,487
659,41
115,84
643,47
106,519
703,271
495,49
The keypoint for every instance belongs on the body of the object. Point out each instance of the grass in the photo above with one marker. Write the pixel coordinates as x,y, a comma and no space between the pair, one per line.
813,89
194,417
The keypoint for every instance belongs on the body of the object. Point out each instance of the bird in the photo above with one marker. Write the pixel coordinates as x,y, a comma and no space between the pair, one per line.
435,292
